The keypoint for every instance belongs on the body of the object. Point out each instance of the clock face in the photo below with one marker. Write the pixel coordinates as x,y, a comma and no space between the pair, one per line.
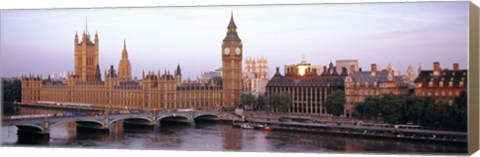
238,51
226,51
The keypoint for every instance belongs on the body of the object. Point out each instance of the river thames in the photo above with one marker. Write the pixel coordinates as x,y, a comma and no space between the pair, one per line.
220,136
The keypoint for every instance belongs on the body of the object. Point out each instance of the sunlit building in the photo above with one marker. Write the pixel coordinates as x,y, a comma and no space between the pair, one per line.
307,89
441,84
155,90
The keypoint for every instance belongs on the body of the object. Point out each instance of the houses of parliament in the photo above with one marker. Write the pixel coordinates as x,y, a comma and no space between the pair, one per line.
155,90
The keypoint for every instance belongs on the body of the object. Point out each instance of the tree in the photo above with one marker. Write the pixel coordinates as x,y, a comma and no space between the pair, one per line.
391,108
335,103
278,102
12,90
459,111
247,100
260,105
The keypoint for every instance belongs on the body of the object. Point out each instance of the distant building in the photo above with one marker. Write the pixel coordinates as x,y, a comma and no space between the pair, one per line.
307,89
373,83
350,65
410,74
441,84
389,67
206,76
255,76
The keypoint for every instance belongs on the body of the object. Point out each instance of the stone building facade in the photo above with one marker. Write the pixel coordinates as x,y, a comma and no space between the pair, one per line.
155,90
255,76
86,57
374,83
307,89
441,84
232,55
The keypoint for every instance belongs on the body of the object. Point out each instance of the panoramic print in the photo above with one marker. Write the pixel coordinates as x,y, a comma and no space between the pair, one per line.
317,78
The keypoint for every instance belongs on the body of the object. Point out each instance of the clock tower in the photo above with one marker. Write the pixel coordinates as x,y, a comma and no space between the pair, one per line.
232,52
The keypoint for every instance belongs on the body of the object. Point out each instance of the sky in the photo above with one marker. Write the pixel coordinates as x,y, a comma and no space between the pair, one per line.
400,34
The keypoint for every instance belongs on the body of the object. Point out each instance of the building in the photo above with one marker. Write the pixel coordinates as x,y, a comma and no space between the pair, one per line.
206,76
155,90
374,83
302,66
232,54
255,76
441,84
307,89
86,57
351,65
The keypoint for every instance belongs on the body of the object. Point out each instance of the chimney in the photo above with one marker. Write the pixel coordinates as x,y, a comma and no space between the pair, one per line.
455,66
360,69
373,69
436,68
278,70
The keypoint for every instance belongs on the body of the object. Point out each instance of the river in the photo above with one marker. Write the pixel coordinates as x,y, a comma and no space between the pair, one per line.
219,136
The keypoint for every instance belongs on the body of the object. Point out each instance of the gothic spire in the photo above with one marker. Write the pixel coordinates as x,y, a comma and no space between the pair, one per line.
232,31
232,22
178,71
124,52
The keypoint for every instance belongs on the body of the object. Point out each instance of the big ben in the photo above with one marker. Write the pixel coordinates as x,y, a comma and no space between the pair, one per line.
232,52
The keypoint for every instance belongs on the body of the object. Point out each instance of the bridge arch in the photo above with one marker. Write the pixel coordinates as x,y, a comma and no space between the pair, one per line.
22,127
180,116
76,120
206,115
129,118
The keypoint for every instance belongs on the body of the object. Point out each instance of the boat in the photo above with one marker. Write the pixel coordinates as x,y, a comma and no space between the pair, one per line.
267,128
258,126
246,126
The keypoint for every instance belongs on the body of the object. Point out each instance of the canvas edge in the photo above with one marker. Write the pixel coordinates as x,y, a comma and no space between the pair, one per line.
473,91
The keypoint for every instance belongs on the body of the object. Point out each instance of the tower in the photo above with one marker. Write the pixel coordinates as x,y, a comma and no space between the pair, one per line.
232,52
86,57
124,67
178,75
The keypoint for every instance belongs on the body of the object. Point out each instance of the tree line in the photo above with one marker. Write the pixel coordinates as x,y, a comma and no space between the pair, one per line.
424,111
394,109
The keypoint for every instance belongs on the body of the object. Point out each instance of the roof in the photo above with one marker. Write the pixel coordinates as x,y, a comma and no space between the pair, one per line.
232,23
379,77
232,33
445,76
366,76
232,36
311,80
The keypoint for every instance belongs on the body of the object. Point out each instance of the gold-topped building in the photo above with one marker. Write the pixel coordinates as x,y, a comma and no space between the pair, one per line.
155,90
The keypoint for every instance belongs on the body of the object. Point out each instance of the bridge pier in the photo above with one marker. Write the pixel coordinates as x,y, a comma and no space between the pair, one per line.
156,126
46,127
192,123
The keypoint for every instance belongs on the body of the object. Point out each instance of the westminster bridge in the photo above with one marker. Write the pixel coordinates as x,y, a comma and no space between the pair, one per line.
42,124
